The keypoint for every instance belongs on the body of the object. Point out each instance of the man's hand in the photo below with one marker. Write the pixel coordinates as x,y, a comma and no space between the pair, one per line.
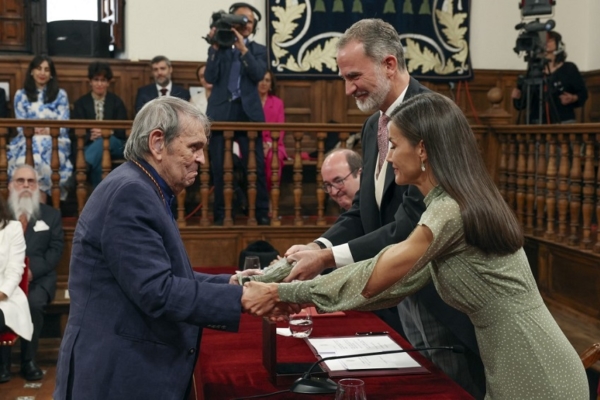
301,247
95,133
248,272
259,299
211,35
239,42
516,94
29,275
282,311
568,98
309,264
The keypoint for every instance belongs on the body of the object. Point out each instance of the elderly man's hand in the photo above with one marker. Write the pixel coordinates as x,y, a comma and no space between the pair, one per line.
259,299
239,42
309,264
234,280
301,247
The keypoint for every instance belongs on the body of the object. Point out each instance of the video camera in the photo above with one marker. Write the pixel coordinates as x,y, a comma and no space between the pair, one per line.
224,36
532,36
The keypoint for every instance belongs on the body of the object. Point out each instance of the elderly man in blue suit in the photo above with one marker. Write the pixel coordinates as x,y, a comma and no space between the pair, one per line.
162,86
137,307
234,72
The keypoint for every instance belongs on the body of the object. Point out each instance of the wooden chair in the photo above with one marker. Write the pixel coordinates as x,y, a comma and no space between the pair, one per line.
9,338
591,355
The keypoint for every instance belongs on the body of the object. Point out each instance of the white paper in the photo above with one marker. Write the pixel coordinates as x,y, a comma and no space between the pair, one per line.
328,347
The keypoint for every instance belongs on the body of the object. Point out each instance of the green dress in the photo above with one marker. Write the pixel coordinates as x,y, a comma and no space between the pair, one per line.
525,354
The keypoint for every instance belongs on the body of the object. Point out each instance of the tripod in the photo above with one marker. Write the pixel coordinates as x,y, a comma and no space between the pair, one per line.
535,88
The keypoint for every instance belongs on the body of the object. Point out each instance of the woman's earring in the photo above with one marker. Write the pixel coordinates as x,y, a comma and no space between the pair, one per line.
422,166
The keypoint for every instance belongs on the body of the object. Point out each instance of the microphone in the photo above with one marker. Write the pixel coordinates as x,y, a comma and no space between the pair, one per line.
308,384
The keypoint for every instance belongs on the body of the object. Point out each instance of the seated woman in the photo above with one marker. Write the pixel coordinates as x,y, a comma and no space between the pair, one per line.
42,99
14,309
273,108
469,243
100,104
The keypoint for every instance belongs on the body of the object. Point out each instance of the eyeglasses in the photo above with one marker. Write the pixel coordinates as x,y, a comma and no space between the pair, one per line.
21,181
337,183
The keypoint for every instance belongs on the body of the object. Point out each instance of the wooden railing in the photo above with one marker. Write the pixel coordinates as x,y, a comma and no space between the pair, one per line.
547,173
300,132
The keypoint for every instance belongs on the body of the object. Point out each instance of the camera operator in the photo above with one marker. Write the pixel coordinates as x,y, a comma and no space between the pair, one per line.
565,89
234,71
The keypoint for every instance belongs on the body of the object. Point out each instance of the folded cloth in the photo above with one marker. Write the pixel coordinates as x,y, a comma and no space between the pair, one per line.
274,273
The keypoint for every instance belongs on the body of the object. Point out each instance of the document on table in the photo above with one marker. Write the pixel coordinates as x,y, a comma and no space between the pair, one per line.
356,345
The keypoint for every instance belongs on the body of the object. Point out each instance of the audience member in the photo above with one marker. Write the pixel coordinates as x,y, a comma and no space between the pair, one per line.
341,171
200,99
42,226
3,107
14,311
564,84
100,104
234,73
41,98
470,244
274,112
137,307
162,86
371,60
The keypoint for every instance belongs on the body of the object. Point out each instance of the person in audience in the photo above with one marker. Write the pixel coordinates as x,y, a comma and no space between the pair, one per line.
14,311
44,237
100,104
341,171
3,107
371,60
162,86
564,83
470,244
235,72
274,112
41,98
137,307
200,99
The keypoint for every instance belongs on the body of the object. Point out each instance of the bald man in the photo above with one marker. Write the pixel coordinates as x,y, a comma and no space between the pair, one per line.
341,175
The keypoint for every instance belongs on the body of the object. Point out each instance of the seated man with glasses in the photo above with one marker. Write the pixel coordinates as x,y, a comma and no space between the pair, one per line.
100,104
341,175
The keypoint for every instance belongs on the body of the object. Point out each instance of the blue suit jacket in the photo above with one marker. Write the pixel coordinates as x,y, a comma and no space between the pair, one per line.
149,92
137,308
252,71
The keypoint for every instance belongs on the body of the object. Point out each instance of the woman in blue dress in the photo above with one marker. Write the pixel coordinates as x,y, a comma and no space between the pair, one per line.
42,99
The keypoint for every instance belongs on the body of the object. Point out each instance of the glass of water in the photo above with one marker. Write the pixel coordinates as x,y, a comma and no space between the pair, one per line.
251,262
301,325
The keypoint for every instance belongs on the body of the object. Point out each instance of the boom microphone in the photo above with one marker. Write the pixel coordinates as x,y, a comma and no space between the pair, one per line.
315,385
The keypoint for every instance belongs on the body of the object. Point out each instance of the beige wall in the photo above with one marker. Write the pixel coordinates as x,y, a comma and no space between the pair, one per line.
175,29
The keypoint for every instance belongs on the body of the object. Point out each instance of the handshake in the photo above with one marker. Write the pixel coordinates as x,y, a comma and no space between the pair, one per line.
260,296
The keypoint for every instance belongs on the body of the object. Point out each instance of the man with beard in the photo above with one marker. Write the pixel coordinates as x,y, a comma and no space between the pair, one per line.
371,61
42,226
162,86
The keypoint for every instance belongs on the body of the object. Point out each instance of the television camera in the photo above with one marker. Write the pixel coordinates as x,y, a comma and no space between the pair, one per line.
223,22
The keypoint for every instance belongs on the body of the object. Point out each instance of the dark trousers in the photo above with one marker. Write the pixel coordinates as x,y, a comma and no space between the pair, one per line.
38,299
216,150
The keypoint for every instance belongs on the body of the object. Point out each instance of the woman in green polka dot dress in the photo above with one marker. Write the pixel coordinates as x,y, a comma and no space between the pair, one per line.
470,243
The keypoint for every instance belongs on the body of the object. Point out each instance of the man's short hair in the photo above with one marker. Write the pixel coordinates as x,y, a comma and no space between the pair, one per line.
164,113
353,159
379,40
99,69
158,59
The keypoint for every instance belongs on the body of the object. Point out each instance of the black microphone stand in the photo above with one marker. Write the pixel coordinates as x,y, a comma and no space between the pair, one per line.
308,384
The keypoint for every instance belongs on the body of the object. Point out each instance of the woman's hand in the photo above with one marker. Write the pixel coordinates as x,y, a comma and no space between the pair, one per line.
234,280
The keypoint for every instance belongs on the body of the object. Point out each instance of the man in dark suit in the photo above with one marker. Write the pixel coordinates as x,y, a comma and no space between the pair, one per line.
44,238
137,307
100,104
162,86
371,61
234,72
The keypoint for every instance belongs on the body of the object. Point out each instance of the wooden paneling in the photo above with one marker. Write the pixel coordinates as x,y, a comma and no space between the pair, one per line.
13,26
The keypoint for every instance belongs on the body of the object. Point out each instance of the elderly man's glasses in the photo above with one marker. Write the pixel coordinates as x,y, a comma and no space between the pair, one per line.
337,183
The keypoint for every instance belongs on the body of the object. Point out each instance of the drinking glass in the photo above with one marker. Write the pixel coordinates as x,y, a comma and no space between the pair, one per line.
301,325
350,389
251,262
